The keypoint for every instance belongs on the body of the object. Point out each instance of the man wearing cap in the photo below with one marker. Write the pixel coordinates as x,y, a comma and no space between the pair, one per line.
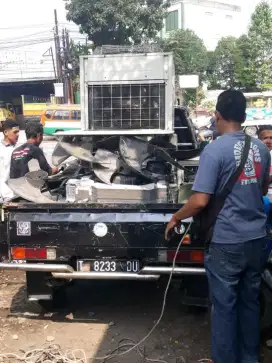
11,135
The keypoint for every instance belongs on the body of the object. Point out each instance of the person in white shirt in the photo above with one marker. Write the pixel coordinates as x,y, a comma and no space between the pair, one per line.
7,144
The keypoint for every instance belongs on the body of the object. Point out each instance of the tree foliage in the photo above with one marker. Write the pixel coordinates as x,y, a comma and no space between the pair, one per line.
190,57
75,51
229,64
190,53
260,44
120,22
223,64
246,62
244,77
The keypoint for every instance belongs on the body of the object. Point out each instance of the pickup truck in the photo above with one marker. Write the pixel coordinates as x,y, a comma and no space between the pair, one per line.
56,244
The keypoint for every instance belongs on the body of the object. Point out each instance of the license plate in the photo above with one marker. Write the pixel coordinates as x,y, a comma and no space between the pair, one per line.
131,266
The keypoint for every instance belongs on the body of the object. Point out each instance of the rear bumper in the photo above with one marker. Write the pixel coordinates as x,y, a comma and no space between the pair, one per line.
60,271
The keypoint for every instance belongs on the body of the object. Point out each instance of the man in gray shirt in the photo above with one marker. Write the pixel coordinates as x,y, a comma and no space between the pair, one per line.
235,258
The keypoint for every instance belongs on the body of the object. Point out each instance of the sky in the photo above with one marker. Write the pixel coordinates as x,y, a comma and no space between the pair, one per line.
38,18
30,23
26,35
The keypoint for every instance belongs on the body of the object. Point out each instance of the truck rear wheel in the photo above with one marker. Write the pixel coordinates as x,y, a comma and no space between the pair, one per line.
48,292
58,301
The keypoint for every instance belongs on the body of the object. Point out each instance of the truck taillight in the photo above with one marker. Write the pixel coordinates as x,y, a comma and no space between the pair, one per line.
186,240
22,253
196,256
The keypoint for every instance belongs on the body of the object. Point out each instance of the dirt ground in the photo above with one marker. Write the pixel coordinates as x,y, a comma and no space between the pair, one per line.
98,316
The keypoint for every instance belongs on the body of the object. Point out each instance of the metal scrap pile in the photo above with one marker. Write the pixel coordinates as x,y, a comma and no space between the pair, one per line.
116,169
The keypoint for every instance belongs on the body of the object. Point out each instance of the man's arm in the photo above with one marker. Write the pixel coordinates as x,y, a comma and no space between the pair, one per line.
195,204
265,186
204,186
39,155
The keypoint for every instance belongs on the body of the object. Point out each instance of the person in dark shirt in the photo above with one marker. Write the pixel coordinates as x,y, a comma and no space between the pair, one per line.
22,155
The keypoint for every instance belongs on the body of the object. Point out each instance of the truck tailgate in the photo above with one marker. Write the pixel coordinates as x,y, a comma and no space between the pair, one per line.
98,231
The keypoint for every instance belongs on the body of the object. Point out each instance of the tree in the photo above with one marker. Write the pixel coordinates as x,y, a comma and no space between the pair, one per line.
229,65
260,44
190,53
120,22
75,51
224,64
244,76
190,57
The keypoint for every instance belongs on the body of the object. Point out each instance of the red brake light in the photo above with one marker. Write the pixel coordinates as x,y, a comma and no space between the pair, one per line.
36,253
22,253
197,256
186,256
181,256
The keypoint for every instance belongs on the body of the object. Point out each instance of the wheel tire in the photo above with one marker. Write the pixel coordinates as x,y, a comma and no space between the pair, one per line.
58,302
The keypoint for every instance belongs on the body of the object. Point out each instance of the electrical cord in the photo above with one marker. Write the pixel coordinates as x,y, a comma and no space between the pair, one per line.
137,345
54,354
49,354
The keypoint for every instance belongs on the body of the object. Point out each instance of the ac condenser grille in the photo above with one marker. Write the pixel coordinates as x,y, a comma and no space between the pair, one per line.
127,107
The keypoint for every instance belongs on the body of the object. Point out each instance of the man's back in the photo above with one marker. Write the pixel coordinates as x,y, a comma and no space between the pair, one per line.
242,217
22,156
234,258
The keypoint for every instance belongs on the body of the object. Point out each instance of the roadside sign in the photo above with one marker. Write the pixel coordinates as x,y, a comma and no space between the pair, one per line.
58,89
189,81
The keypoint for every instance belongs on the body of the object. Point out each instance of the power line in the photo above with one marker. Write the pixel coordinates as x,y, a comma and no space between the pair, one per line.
25,37
28,26
15,43
24,44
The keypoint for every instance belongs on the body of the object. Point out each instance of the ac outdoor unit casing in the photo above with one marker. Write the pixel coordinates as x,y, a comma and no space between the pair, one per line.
127,94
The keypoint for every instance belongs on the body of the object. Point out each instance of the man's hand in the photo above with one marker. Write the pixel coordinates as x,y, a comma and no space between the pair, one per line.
54,171
195,204
173,223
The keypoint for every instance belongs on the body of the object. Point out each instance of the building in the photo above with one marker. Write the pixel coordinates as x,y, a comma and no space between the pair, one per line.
27,48
210,20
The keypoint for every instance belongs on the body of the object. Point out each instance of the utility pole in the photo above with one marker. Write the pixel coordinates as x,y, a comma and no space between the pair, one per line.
70,84
57,46
53,61
64,68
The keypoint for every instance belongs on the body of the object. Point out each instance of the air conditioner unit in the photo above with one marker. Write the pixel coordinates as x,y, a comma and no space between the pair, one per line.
125,94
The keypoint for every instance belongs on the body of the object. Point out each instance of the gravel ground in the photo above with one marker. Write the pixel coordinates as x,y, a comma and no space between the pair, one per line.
99,315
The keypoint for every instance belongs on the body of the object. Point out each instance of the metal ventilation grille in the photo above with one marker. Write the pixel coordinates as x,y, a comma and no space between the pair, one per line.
127,107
